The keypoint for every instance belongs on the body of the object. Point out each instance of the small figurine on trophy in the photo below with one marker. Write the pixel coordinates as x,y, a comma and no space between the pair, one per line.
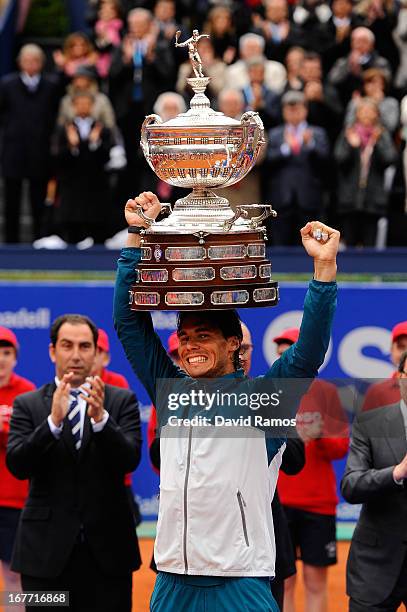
204,254
192,44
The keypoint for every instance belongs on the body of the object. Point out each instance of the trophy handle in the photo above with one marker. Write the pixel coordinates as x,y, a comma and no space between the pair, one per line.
268,211
239,212
150,119
252,117
165,208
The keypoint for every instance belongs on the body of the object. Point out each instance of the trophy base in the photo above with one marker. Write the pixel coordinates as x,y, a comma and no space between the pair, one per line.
203,272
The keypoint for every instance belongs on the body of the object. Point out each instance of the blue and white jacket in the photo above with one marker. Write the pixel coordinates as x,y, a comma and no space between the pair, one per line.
216,492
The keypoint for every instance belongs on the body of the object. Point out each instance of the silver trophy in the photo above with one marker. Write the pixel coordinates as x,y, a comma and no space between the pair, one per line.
203,255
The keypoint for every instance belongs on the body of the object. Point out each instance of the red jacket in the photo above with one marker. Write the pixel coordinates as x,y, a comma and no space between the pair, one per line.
383,393
115,379
13,492
314,488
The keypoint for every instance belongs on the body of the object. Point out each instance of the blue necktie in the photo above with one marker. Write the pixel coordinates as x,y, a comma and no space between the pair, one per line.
74,416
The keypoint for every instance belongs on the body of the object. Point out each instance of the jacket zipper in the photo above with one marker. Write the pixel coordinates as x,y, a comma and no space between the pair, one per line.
186,499
242,505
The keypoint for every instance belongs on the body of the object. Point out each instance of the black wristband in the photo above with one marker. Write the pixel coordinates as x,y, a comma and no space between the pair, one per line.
135,229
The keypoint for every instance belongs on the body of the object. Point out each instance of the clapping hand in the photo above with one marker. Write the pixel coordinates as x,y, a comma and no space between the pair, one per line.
61,400
94,136
353,138
93,392
307,136
72,135
59,58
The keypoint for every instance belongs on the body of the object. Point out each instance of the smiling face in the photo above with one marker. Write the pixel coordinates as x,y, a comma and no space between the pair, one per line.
74,351
203,350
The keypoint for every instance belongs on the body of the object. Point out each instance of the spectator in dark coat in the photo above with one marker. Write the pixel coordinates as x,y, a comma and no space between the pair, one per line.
82,150
346,74
334,35
28,106
309,15
258,97
252,45
85,79
324,107
381,17
375,86
280,34
296,152
363,152
222,32
142,68
293,64
165,19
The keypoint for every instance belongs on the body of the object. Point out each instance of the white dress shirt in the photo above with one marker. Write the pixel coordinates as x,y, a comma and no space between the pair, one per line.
31,82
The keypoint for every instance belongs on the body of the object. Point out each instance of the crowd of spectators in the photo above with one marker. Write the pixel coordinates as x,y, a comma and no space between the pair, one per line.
329,81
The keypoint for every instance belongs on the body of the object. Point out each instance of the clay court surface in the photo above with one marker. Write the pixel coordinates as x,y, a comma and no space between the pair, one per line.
143,582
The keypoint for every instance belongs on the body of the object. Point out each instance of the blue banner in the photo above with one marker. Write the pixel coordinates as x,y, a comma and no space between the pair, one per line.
359,345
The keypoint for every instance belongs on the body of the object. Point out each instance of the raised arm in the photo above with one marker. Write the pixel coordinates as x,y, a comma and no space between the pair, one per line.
141,344
303,358
183,44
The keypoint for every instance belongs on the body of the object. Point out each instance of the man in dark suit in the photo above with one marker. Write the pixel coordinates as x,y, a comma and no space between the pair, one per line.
82,148
296,152
346,75
75,439
376,477
28,107
142,68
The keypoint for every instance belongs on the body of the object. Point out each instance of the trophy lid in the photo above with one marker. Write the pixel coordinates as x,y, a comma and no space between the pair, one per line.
203,116
200,112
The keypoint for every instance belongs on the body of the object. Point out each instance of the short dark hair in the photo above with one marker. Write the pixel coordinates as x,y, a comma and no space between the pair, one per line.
402,362
73,319
227,321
